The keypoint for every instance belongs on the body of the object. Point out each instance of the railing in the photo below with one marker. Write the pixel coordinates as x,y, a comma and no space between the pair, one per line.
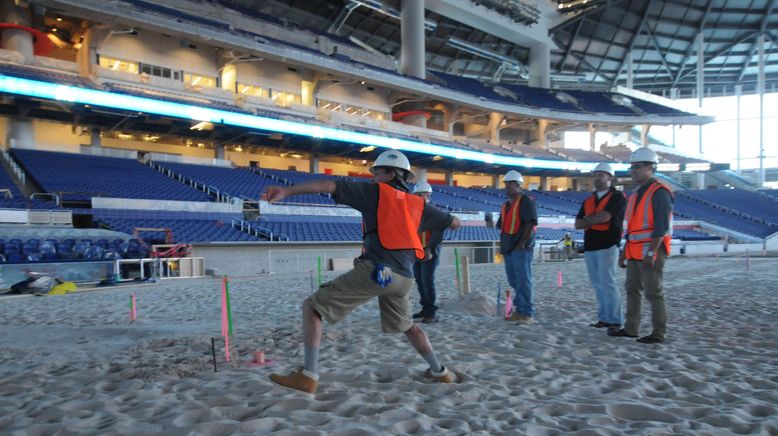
257,231
57,200
221,197
26,217
15,168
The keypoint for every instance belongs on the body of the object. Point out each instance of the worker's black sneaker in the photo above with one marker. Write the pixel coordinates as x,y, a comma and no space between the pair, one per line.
620,333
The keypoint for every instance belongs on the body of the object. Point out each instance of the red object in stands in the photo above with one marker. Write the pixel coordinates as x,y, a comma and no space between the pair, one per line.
41,45
400,115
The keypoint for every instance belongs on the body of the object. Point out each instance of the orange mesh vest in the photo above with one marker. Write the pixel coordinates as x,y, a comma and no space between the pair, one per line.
511,219
640,223
590,209
399,218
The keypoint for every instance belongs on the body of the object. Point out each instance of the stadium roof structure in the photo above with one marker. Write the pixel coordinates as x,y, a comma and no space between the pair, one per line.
590,39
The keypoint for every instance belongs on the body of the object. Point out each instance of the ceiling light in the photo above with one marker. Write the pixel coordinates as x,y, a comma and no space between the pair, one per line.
367,149
202,125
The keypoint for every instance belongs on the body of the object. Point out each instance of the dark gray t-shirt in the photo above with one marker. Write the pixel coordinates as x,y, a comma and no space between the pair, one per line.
364,198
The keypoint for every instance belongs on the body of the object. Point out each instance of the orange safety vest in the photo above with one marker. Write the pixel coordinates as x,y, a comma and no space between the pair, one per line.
590,209
399,218
424,237
640,223
511,218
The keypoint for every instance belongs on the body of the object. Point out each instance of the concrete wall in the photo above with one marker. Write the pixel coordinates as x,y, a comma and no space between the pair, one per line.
162,50
268,74
262,258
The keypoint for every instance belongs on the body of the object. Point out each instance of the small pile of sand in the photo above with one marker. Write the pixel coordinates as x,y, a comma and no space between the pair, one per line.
473,302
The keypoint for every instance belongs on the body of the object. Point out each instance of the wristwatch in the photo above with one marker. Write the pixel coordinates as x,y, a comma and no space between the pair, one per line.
650,253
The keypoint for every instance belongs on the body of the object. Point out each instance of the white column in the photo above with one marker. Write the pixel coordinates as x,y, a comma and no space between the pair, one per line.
700,79
540,66
313,164
760,88
20,133
16,39
592,133
630,77
412,52
495,118
738,94
421,174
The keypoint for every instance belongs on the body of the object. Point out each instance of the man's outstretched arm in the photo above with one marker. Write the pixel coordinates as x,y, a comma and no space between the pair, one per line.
273,194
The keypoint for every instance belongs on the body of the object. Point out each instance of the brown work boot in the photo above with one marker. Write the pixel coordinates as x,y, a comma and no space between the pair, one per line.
298,380
444,376
522,319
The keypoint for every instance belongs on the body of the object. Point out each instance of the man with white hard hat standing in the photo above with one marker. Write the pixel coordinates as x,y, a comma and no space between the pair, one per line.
601,217
424,269
392,219
518,218
649,229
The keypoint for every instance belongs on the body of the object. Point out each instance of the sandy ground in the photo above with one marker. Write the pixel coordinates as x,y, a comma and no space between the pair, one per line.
75,365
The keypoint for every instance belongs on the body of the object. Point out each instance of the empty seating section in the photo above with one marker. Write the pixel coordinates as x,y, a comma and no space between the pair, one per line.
536,152
583,155
171,97
45,75
746,203
285,177
234,182
54,250
17,200
79,177
688,208
461,199
312,228
674,158
620,153
693,235
186,227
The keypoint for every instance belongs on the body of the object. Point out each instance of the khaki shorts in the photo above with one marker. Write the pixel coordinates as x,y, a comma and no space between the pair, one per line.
334,300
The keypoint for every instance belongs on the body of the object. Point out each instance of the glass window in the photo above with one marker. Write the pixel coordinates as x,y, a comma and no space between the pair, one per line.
199,80
282,98
350,110
253,90
119,65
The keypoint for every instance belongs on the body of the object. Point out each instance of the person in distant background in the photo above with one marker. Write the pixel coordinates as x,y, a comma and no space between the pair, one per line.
424,269
567,243
601,217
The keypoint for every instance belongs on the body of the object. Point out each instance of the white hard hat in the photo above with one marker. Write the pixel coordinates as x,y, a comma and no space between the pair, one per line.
393,159
513,176
643,154
604,167
422,187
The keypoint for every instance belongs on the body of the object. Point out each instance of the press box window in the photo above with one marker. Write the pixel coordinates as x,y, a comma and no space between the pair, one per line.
118,65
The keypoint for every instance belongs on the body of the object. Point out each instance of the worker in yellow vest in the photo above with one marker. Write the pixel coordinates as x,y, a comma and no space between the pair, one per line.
649,229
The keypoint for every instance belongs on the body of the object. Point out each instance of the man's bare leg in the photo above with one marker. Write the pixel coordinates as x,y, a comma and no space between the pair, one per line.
421,343
312,330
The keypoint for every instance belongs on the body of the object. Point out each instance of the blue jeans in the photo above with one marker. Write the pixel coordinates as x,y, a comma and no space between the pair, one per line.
424,273
602,273
518,268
